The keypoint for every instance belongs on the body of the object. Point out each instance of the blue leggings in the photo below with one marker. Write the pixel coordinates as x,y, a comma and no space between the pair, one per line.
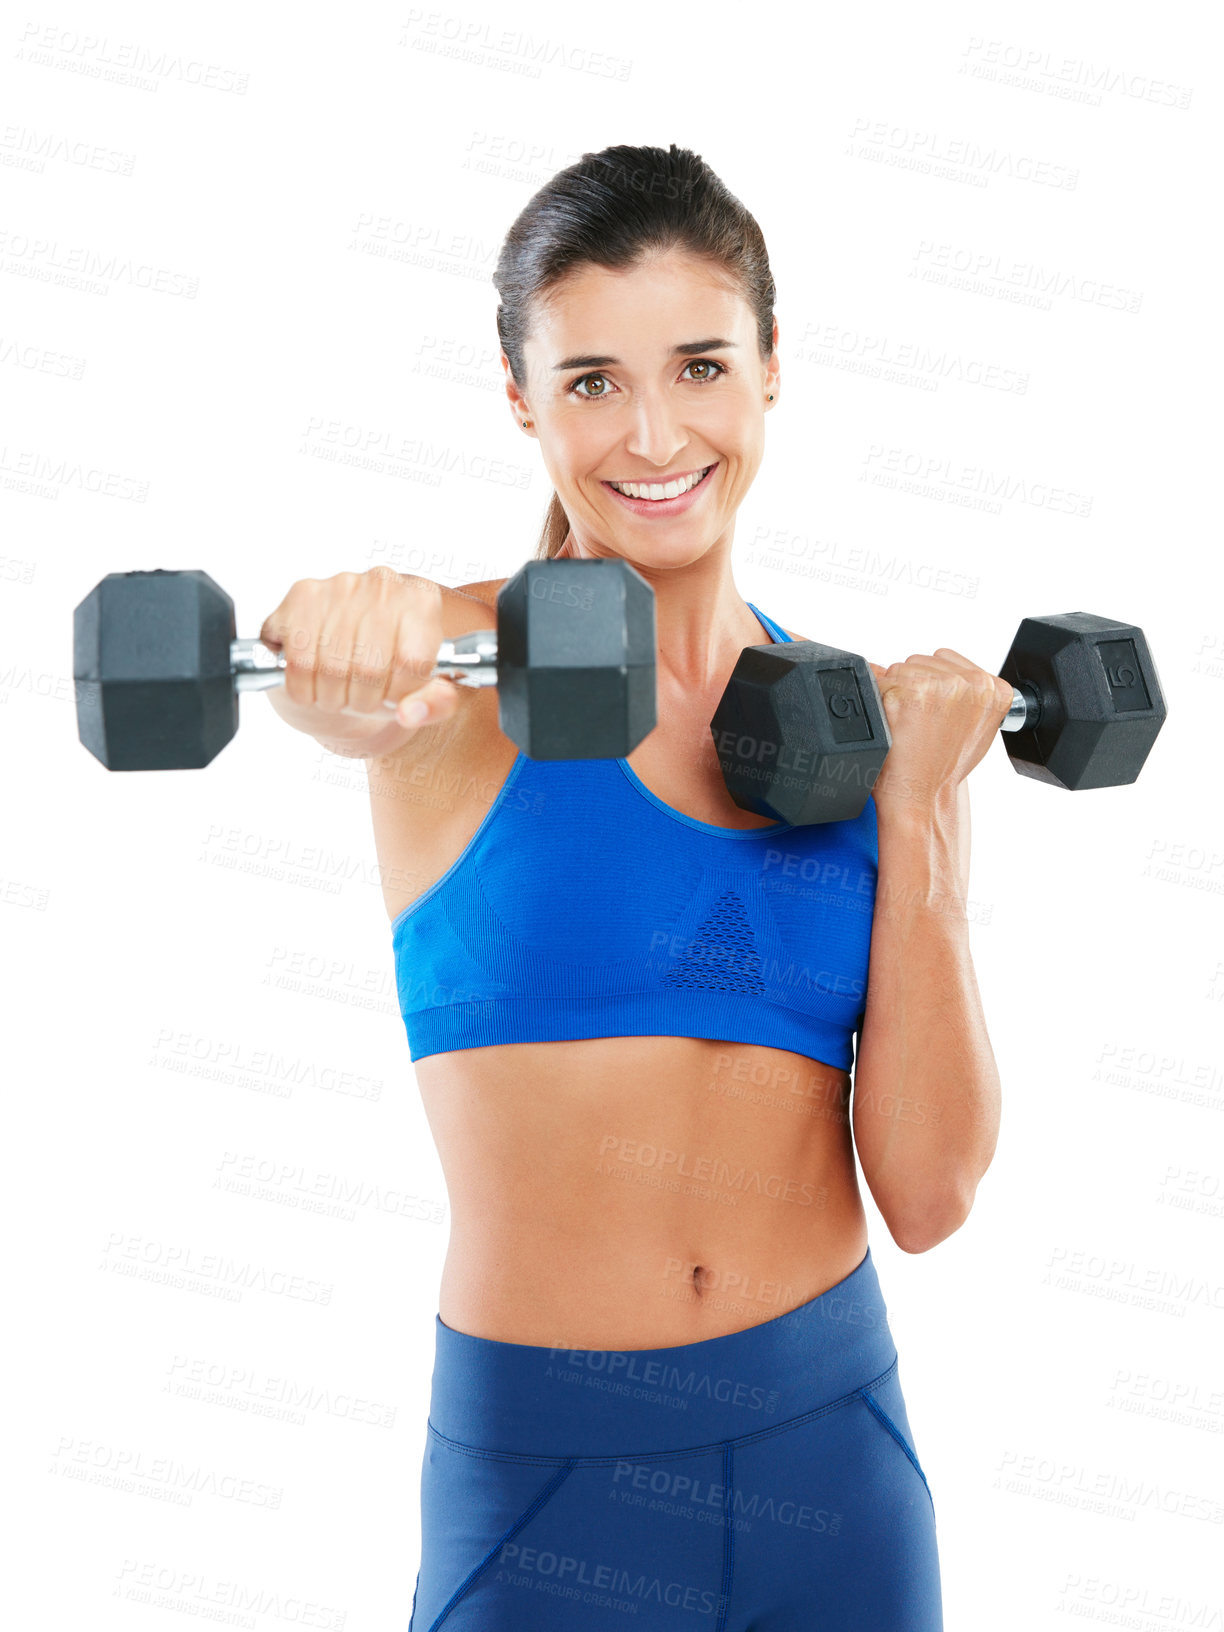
760,1482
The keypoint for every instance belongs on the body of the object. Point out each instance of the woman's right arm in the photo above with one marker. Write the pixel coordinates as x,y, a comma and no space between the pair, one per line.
351,642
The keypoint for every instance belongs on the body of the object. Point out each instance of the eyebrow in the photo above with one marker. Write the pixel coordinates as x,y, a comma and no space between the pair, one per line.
689,348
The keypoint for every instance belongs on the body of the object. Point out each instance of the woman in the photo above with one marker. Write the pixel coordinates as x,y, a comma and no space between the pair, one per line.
664,1384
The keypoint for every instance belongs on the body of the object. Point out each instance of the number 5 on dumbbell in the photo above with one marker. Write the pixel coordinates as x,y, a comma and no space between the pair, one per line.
159,670
801,734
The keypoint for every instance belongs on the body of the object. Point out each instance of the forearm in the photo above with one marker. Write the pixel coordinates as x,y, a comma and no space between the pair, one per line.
353,736
926,1102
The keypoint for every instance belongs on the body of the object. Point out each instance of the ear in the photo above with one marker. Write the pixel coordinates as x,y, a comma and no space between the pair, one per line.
773,369
518,402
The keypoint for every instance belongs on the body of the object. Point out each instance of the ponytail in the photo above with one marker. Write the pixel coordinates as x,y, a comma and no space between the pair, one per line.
554,531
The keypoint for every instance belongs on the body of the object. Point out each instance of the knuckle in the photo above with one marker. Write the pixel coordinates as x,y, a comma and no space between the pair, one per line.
381,582
369,673
413,660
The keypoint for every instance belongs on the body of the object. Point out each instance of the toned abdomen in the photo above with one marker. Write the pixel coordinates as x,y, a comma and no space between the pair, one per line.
639,1192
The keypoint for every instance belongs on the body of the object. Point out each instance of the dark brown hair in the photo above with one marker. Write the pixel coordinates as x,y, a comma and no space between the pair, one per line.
609,209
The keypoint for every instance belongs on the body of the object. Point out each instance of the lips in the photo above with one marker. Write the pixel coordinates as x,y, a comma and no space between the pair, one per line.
663,481
664,507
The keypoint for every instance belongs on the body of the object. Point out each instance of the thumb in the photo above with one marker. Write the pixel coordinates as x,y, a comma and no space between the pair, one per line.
436,700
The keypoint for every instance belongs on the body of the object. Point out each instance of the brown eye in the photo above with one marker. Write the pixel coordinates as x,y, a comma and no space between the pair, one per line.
707,378
706,363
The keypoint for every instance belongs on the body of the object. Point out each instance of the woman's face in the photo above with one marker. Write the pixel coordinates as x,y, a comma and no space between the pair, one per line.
639,377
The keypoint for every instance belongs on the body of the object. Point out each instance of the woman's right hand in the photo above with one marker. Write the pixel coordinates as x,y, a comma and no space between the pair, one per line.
355,640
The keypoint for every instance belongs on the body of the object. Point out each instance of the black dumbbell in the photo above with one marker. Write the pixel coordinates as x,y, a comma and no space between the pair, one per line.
159,670
801,733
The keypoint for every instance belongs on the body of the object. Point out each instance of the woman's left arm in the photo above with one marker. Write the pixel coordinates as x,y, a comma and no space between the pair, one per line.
926,1101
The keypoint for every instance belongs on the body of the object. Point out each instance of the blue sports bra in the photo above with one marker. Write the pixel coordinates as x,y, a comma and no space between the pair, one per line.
583,906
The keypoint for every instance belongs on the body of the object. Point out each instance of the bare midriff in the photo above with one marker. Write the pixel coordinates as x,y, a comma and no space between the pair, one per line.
619,1192
639,1192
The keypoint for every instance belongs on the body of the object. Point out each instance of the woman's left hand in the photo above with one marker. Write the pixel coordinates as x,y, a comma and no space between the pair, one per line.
943,713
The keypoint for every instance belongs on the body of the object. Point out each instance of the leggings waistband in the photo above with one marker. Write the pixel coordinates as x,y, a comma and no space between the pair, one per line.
524,1400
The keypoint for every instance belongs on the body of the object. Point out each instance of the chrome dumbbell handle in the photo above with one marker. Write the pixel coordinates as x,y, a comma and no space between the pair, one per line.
469,660
1025,709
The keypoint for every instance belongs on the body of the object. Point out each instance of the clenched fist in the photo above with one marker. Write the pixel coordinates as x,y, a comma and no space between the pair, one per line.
357,640
943,713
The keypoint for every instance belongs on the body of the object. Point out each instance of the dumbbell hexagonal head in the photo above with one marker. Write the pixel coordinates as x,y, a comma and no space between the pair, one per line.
576,658
1099,699
151,659
800,732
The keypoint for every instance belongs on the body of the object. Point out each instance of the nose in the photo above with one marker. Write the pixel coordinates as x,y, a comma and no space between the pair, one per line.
656,435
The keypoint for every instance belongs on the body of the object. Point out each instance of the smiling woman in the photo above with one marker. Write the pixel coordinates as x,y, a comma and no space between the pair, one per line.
619,210
664,1373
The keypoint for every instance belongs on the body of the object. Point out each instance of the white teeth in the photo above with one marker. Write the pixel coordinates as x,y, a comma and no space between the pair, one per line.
657,490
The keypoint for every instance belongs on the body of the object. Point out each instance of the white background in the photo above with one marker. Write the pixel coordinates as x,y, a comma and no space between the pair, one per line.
288,223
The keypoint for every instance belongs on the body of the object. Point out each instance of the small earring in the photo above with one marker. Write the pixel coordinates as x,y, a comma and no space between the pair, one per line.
771,396
526,423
